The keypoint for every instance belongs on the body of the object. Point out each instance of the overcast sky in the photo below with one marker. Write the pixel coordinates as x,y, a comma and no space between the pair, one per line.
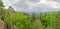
33,5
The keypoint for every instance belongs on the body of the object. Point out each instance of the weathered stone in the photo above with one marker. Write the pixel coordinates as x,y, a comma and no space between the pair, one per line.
11,10
1,24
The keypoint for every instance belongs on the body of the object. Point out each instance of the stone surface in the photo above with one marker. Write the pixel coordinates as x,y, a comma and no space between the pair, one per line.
11,10
1,24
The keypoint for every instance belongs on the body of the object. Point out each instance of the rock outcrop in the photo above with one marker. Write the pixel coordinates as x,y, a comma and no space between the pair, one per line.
1,24
11,10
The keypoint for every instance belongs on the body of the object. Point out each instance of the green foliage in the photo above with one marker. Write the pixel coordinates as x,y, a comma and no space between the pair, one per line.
22,21
1,4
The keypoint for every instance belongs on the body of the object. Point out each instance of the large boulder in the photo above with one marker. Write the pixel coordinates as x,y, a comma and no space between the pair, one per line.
11,10
1,24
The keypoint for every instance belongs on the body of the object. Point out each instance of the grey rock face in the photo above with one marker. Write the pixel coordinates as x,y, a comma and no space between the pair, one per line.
11,10
1,24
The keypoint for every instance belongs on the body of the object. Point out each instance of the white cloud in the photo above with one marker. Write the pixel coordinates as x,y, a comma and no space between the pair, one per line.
50,3
33,5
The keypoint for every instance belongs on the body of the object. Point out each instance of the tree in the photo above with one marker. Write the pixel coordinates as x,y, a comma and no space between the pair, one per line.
33,17
1,9
1,4
42,19
1,15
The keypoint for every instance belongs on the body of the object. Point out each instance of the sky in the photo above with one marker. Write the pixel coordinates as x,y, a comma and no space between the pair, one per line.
33,5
